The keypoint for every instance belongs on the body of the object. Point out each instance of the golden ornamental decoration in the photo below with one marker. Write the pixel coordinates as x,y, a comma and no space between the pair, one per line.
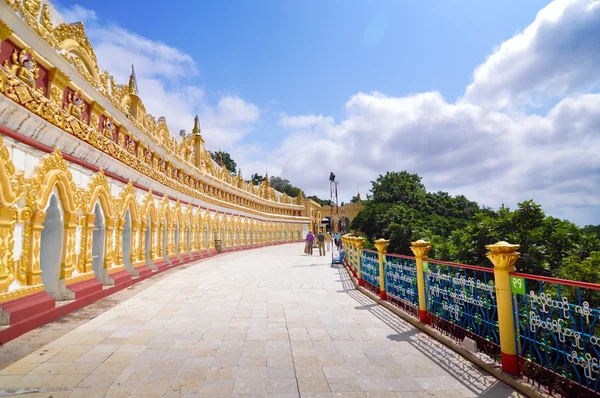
108,127
75,105
98,189
12,183
73,40
128,200
5,31
32,7
52,170
46,20
24,67
148,206
40,105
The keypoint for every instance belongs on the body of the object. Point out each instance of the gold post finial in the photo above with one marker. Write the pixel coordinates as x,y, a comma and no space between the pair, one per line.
420,248
381,245
503,255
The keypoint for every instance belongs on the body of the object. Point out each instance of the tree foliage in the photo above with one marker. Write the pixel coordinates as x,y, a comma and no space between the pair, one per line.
402,211
224,159
321,202
256,179
283,185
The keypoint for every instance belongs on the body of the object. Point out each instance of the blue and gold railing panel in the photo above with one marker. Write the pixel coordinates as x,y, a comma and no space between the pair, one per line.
401,282
349,254
369,269
558,333
461,300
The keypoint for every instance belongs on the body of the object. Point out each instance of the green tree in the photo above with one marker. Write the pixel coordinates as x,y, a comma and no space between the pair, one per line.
459,229
283,185
394,187
279,183
256,179
585,270
592,229
321,202
224,159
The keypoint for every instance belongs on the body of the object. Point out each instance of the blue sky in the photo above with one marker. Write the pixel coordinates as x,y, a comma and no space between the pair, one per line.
496,100
309,57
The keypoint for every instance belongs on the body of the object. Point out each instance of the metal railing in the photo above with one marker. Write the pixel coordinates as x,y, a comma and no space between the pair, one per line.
546,330
558,333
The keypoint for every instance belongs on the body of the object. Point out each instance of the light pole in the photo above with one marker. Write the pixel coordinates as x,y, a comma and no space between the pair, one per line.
333,195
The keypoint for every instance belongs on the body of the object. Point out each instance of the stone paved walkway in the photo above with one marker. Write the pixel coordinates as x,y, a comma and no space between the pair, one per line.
270,322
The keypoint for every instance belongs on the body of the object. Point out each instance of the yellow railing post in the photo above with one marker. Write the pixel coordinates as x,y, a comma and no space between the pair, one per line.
381,245
358,245
352,258
346,246
420,248
504,256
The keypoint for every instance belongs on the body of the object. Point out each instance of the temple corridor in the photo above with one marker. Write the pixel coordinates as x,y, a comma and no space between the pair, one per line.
269,322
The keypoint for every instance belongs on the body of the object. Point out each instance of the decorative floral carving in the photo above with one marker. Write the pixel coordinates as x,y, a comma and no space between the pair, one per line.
24,67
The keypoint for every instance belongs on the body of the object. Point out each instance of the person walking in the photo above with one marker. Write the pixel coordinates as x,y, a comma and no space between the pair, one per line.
321,243
310,238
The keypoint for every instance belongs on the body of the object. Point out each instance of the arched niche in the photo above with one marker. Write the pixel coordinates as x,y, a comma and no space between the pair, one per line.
149,238
127,242
51,246
177,243
188,238
51,178
165,240
99,245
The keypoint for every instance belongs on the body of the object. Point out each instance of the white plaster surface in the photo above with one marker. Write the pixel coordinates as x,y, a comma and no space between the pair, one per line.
270,322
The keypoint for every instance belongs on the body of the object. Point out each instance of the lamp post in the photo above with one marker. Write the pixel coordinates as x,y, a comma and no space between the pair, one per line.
333,195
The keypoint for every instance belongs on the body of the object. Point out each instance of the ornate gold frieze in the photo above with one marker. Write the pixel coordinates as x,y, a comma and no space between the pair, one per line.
72,42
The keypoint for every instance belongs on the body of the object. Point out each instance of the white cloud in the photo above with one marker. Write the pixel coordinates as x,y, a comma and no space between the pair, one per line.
228,122
557,54
78,13
488,145
461,148
304,121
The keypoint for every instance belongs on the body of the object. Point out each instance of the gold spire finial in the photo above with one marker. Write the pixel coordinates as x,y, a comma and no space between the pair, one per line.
196,129
299,198
132,82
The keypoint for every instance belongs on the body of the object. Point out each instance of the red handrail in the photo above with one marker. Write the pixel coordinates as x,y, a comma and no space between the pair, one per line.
473,267
585,285
401,256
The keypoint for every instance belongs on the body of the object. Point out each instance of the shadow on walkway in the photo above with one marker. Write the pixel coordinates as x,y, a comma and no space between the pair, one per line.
470,375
